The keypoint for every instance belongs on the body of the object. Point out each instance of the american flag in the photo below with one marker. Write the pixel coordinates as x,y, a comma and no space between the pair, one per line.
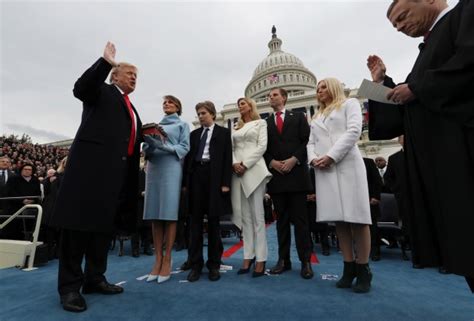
273,78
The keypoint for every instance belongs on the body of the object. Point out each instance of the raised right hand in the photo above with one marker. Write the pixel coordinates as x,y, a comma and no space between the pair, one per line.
377,68
109,53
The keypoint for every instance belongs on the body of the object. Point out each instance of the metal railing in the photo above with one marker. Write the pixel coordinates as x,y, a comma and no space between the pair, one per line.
31,258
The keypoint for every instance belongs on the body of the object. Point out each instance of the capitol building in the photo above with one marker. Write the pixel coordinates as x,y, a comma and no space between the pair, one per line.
283,69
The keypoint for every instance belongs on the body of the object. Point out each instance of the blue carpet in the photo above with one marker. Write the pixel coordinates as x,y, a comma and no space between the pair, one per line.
398,293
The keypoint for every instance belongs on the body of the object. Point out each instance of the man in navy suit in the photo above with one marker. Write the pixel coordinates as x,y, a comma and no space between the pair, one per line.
286,157
100,186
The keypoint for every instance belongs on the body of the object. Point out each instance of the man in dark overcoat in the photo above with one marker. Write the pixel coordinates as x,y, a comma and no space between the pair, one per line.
99,188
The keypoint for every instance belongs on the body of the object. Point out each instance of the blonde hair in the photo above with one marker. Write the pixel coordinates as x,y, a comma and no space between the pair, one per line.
253,112
62,165
336,91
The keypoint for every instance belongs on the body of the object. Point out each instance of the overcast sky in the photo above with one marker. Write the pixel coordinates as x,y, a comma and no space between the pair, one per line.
195,50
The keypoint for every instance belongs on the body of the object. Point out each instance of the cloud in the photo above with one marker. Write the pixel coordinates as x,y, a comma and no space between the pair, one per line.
195,50
39,134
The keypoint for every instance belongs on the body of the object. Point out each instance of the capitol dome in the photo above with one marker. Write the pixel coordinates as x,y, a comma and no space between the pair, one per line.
279,69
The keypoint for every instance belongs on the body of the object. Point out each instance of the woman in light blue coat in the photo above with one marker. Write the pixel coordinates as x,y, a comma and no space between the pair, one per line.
163,183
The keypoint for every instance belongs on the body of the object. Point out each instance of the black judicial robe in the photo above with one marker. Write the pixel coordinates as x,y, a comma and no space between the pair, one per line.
439,141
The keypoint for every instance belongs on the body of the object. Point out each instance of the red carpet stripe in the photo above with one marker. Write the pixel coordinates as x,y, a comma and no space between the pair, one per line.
228,253
234,248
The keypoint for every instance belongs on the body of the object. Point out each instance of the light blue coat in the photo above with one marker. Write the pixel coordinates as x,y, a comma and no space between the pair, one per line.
164,169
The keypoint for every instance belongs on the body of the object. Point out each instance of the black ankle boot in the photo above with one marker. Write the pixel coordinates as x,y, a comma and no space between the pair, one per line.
364,277
348,275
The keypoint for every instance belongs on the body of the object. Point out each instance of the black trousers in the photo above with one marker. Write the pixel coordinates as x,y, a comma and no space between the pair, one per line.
74,246
321,229
200,189
94,246
291,208
374,228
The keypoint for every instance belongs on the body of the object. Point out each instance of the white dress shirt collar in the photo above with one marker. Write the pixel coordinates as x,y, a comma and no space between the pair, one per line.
441,15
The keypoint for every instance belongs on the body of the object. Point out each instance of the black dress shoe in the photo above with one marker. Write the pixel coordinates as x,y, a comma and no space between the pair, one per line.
393,245
103,287
214,275
180,246
147,251
135,252
73,302
185,266
280,267
375,257
194,275
306,271
325,251
443,270
375,254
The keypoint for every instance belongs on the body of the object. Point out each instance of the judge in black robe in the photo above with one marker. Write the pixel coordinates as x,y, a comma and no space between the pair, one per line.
436,113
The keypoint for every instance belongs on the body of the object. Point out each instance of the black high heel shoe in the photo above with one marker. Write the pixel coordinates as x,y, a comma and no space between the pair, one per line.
256,274
247,270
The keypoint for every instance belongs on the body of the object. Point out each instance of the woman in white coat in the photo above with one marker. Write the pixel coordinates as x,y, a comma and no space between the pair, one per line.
342,193
249,143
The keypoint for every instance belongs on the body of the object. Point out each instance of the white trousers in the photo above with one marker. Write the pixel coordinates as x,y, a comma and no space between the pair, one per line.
253,225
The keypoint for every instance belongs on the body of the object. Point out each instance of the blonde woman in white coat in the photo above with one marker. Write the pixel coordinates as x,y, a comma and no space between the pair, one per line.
249,143
342,194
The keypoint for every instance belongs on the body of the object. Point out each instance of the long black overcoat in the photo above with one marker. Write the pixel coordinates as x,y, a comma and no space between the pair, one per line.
89,195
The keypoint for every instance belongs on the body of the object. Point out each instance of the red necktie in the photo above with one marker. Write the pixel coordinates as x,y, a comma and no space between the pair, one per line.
425,36
131,143
279,122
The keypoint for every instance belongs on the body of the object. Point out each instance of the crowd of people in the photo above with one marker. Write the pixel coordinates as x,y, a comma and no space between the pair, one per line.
22,151
223,171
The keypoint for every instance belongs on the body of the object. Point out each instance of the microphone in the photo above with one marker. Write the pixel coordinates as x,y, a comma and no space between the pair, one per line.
421,46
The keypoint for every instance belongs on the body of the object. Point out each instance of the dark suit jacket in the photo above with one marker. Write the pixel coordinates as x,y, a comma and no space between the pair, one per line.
291,142
375,185
3,190
18,186
438,123
96,167
395,175
373,178
220,150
